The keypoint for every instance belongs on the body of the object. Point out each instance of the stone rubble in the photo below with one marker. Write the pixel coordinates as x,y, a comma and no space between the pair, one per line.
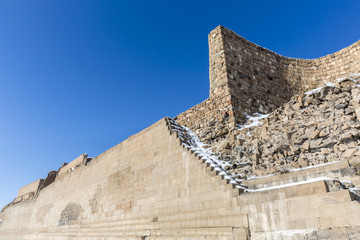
313,128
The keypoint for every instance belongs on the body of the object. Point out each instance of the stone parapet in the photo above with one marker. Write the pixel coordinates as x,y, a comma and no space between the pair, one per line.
73,164
30,188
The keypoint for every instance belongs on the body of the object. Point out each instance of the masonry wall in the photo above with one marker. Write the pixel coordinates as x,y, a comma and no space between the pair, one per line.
259,80
213,118
147,187
73,164
150,187
246,78
31,187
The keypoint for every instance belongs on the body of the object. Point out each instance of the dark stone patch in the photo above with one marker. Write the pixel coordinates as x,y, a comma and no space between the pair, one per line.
71,214
49,179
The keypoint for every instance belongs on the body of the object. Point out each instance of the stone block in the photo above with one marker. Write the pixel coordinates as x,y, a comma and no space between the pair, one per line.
31,187
73,164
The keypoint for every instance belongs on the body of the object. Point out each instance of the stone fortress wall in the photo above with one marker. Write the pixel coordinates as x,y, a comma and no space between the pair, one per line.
147,187
154,185
246,78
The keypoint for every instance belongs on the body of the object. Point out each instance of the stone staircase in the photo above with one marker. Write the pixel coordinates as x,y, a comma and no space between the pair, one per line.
306,203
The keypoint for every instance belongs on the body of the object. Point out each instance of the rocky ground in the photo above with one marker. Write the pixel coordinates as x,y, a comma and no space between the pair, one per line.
320,126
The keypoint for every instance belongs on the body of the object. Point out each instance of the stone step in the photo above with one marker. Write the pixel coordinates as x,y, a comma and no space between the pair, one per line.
214,173
199,214
214,221
220,233
230,186
282,192
304,212
333,170
247,203
177,227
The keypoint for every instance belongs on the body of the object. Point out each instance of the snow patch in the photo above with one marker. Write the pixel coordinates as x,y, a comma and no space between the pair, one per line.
354,189
339,80
355,193
253,121
316,90
256,177
332,84
355,75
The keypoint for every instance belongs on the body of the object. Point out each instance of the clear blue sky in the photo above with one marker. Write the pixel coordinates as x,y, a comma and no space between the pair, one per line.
81,76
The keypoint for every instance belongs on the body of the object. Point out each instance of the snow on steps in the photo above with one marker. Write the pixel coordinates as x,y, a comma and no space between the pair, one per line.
333,170
299,182
191,142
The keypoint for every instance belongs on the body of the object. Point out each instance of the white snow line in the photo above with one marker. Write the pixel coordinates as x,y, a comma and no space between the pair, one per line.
290,184
256,177
339,80
316,90
253,121
355,191
295,169
315,166
345,181
191,141
354,75
332,84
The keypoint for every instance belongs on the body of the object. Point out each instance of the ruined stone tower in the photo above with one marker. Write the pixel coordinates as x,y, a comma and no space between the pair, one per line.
273,153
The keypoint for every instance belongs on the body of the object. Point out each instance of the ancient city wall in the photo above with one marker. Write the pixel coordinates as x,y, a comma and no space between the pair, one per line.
147,187
156,185
214,118
151,187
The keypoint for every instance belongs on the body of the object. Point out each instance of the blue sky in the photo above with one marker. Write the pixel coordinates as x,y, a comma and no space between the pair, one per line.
81,76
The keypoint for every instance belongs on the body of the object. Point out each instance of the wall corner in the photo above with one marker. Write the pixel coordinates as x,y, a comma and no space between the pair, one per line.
217,66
